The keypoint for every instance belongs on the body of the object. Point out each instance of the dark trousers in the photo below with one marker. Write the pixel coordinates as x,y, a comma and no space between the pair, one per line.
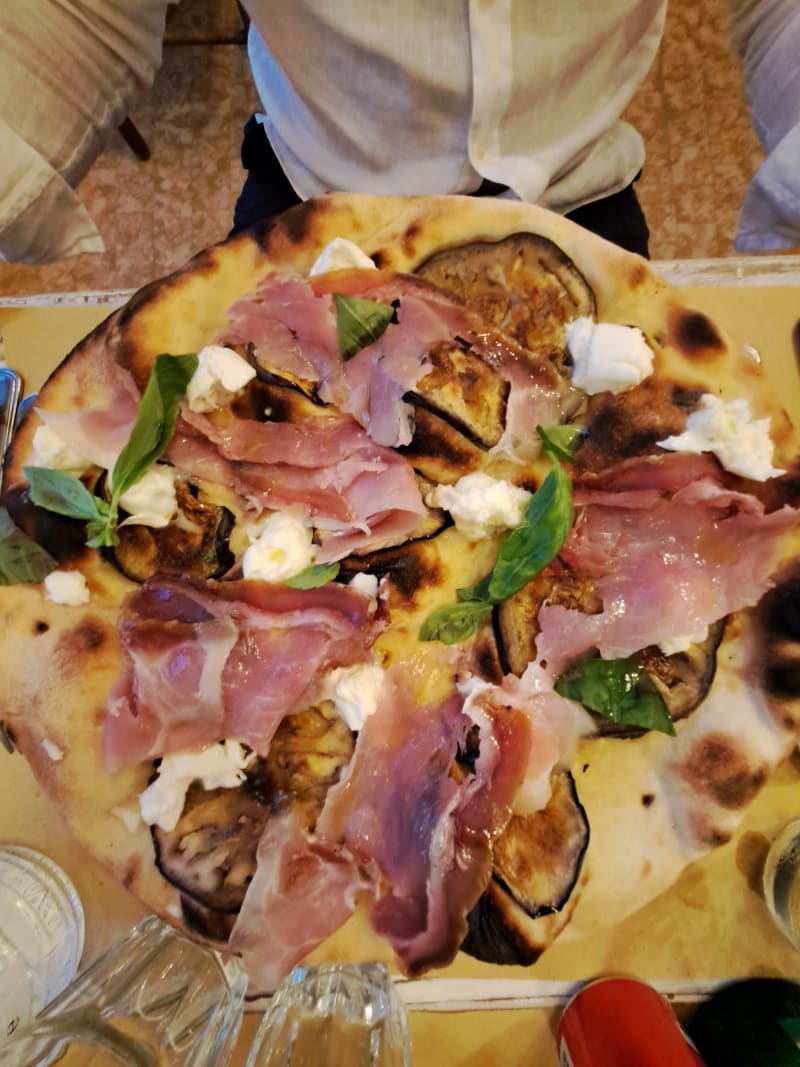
267,191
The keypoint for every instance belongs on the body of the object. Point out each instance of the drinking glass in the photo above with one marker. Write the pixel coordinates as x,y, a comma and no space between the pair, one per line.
342,1015
41,934
156,999
782,880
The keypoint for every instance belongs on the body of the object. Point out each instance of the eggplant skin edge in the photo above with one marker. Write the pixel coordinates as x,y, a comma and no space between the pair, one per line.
502,929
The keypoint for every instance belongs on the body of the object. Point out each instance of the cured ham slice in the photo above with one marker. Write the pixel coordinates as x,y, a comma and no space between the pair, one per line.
303,890
665,564
326,470
99,434
207,662
424,832
292,324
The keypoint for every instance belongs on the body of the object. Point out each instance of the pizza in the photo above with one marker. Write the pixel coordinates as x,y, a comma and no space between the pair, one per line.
371,583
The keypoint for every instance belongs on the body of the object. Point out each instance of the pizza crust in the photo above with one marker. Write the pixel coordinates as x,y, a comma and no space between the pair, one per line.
59,663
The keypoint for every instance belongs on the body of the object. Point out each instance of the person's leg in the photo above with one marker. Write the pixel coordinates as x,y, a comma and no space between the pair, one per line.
618,218
266,190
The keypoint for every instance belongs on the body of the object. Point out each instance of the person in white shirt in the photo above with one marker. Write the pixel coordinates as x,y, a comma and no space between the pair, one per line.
519,98
766,33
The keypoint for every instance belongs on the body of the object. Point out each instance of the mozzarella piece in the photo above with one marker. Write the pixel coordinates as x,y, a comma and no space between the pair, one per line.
51,450
355,692
341,254
66,587
220,373
670,645
152,501
481,505
365,584
219,766
607,357
279,548
53,751
741,443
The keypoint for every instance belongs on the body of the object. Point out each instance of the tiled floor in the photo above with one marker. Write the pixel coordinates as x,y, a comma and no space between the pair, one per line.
701,152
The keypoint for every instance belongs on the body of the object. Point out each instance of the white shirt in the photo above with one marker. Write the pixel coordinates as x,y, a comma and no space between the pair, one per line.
433,96
767,33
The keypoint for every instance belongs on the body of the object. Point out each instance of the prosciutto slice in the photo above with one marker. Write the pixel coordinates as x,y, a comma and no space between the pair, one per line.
99,434
326,470
292,324
666,563
206,662
425,833
302,892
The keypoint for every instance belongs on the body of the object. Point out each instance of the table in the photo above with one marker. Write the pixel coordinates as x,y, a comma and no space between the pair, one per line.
713,923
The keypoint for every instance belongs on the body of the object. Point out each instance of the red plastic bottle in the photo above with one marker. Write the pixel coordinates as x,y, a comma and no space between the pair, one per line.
621,1022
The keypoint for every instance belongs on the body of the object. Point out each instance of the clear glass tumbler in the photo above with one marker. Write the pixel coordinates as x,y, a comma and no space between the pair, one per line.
782,880
343,1015
41,934
156,999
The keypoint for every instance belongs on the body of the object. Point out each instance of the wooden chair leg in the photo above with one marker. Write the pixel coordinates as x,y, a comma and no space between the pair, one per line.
134,139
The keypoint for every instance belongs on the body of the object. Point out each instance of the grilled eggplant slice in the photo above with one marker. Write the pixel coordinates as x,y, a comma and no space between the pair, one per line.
537,864
210,856
523,285
194,545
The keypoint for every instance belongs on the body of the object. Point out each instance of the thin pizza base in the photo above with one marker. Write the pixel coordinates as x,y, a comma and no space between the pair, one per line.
674,798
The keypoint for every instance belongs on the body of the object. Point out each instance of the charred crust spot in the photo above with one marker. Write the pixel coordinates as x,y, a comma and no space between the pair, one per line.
694,333
380,259
410,236
487,659
87,636
782,681
408,567
647,799
41,627
780,609
721,771
298,221
131,872
705,833
638,275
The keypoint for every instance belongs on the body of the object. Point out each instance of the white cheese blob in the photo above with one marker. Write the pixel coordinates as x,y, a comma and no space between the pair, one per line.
682,643
341,254
220,373
219,766
53,751
152,501
741,443
365,584
51,450
481,505
279,548
606,356
66,587
355,692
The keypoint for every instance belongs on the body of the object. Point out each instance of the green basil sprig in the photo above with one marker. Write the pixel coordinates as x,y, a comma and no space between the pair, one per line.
21,559
620,690
525,552
314,576
360,322
151,433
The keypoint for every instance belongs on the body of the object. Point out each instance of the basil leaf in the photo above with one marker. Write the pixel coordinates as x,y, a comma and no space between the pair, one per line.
155,420
561,441
359,322
454,622
101,530
620,690
314,576
528,549
60,492
21,559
